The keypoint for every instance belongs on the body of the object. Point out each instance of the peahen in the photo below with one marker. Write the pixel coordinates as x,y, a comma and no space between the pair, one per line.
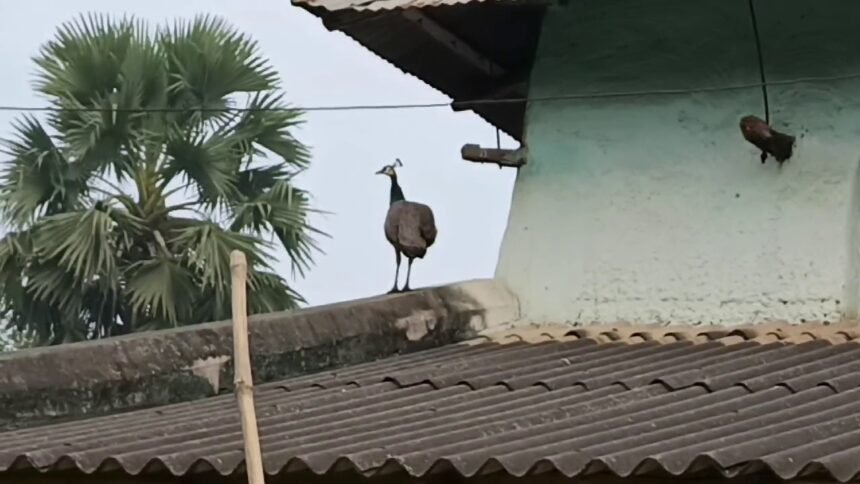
409,226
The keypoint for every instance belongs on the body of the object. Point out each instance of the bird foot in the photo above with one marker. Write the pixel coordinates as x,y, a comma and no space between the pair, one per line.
393,290
406,289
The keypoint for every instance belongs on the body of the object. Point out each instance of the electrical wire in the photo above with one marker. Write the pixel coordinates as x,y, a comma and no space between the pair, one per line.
469,103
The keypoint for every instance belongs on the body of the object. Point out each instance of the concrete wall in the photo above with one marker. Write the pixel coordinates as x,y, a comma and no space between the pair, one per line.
652,208
191,362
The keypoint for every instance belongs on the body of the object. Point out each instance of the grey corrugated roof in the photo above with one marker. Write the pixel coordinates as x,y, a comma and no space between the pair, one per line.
647,403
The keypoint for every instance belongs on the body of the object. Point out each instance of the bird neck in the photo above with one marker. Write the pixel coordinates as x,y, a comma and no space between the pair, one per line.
396,191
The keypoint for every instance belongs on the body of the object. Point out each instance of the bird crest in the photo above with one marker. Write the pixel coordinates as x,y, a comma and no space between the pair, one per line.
389,170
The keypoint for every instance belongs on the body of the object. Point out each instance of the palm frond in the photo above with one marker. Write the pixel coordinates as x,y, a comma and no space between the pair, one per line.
16,248
284,210
208,251
208,165
50,284
82,243
84,57
158,289
37,179
210,54
268,125
98,71
269,292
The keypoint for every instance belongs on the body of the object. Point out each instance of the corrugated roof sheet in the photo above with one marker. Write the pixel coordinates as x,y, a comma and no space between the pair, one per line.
628,401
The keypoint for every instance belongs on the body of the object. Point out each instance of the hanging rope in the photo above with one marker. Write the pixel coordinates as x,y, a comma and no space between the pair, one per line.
762,76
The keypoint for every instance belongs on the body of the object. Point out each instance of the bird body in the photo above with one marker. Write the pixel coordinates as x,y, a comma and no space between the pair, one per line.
410,227
767,139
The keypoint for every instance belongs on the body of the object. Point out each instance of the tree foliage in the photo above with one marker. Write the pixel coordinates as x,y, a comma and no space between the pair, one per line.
166,149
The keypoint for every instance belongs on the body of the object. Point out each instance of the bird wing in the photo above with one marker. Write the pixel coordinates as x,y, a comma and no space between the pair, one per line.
781,146
409,231
427,224
392,222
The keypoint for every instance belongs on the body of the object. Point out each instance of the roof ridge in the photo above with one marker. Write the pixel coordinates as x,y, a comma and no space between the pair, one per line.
182,364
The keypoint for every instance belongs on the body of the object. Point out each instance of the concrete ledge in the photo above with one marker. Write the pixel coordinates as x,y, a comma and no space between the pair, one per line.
182,364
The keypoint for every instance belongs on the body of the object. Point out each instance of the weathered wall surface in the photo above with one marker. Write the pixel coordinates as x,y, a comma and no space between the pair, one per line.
162,367
652,208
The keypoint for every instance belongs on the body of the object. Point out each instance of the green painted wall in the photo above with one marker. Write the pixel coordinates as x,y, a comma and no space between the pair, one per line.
651,207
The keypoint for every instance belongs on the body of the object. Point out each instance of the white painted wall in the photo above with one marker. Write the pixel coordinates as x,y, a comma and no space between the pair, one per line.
652,208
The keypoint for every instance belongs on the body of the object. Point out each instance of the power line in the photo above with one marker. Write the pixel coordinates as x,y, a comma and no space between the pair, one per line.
355,107
470,103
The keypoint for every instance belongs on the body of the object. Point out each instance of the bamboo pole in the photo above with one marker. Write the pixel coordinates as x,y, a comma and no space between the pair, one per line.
242,380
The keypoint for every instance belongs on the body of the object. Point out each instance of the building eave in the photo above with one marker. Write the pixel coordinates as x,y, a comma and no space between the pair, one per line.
466,50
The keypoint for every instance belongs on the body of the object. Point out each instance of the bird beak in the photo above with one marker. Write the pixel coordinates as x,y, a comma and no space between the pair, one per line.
380,172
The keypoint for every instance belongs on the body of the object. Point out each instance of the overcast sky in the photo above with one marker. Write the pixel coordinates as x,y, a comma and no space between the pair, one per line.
319,67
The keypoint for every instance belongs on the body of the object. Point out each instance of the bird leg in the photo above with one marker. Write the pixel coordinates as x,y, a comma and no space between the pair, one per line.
408,273
396,272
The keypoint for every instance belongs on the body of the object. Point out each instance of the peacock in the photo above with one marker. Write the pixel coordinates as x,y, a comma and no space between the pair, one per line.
409,226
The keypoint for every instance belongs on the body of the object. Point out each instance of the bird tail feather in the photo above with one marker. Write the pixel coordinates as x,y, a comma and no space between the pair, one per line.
411,242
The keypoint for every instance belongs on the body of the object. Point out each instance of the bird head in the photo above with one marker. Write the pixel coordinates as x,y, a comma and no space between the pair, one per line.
388,170
753,127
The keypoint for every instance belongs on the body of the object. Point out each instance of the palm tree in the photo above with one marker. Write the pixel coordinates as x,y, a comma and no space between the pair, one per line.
124,203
